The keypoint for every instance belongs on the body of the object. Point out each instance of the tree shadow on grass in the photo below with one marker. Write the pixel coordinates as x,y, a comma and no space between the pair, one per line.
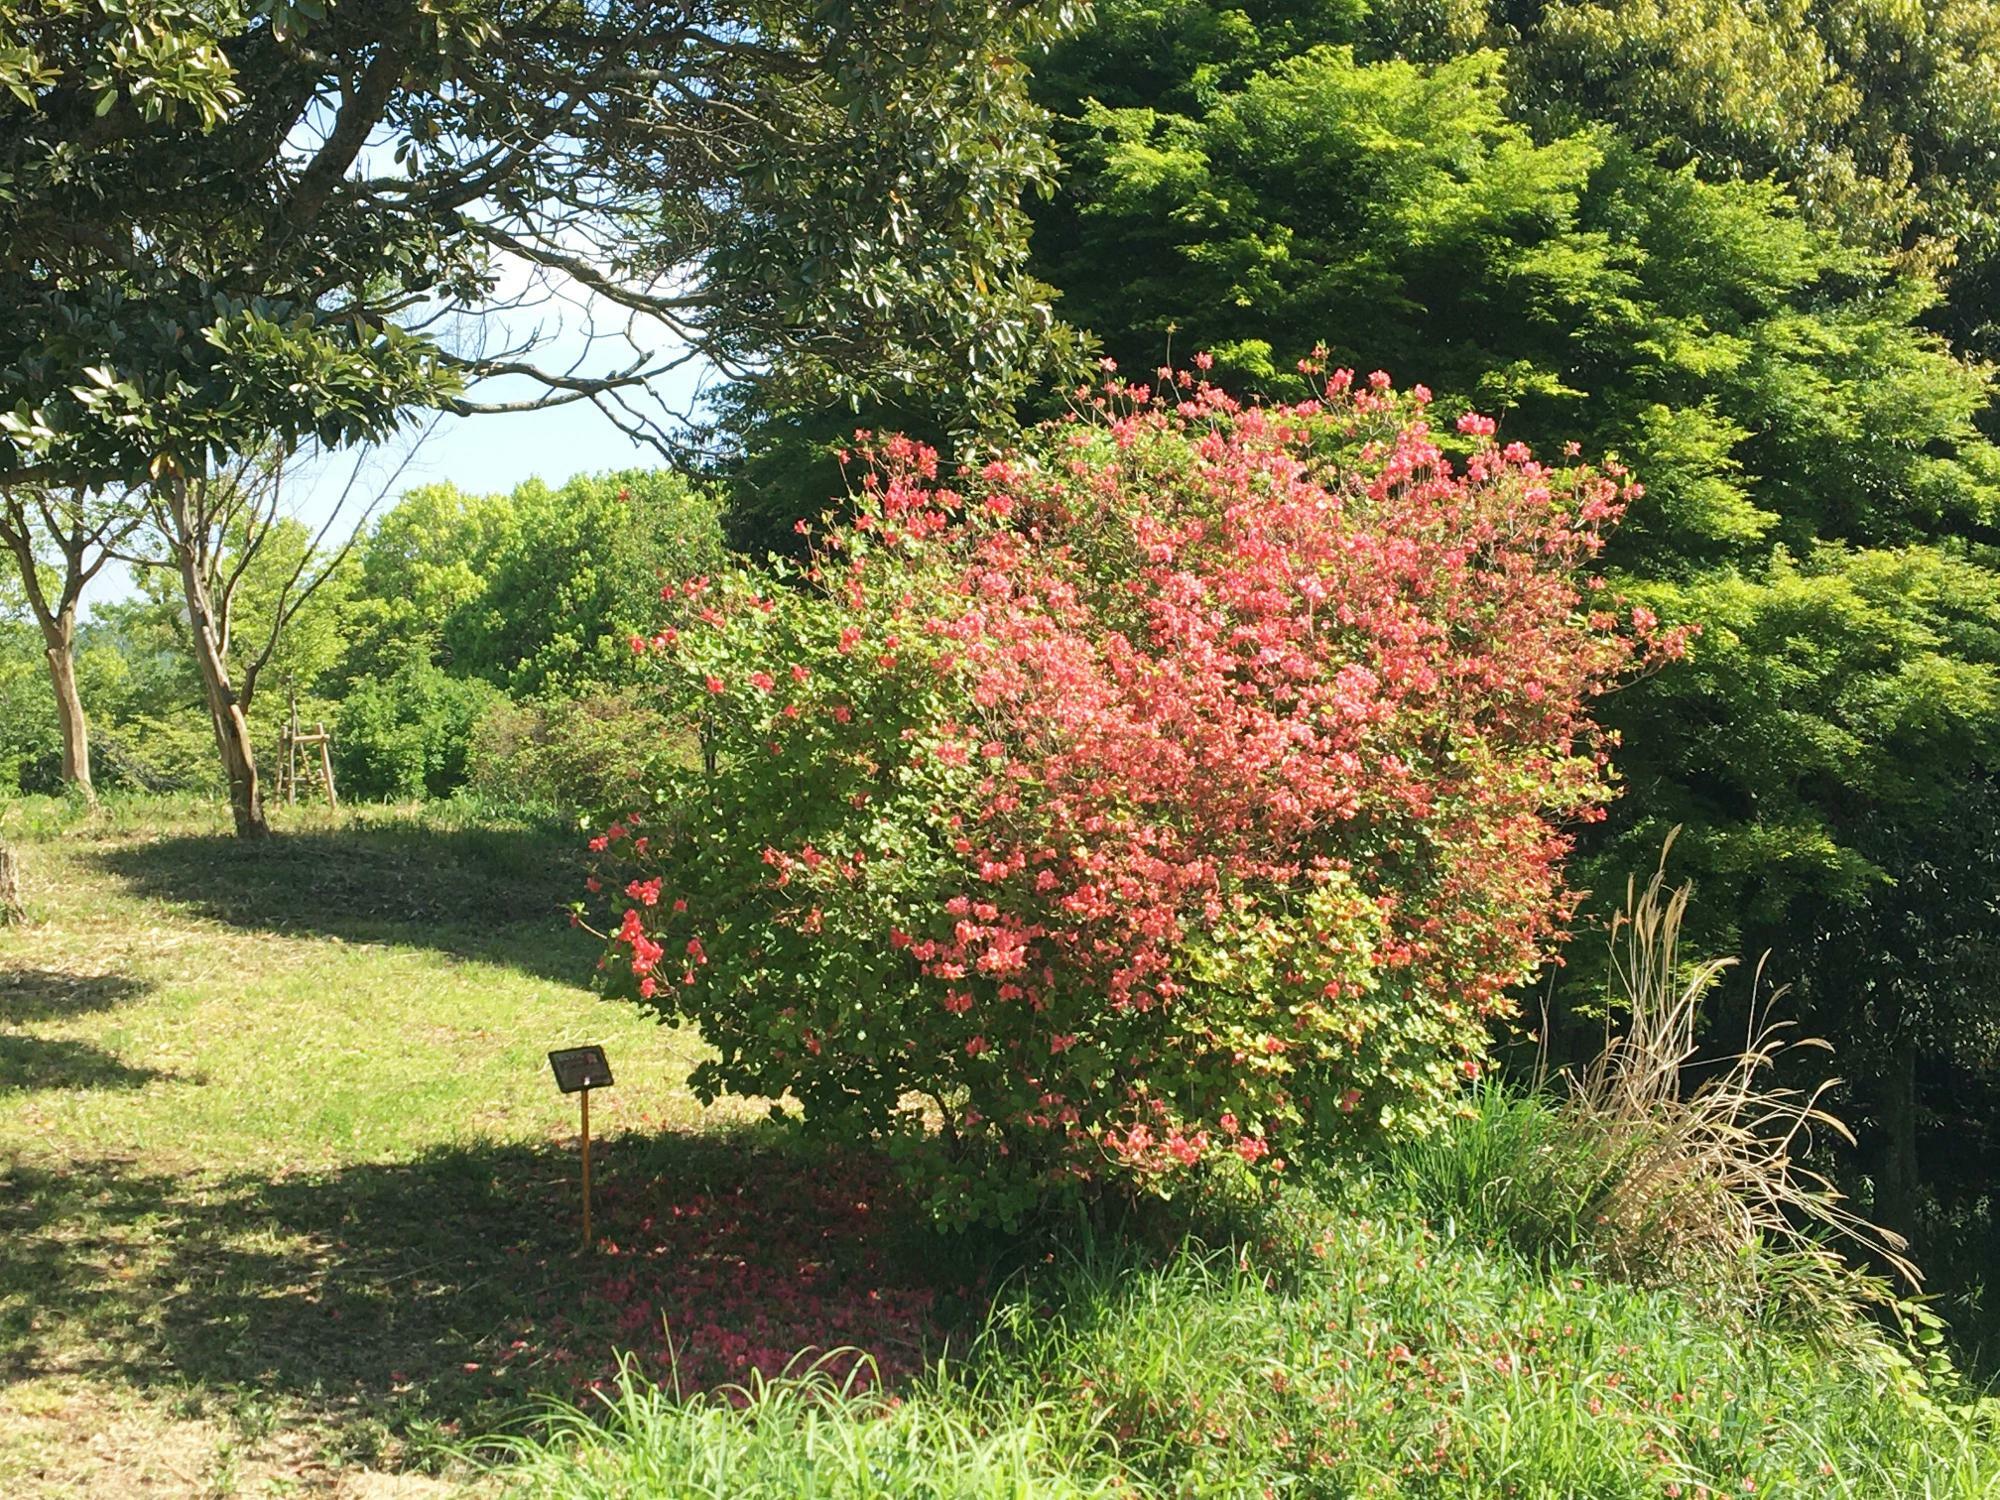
32,1063
381,1302
495,895
30,995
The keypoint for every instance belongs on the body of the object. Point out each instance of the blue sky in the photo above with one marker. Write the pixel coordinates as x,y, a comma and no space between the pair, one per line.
478,453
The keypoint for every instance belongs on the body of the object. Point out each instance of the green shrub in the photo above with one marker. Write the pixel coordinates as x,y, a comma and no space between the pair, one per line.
594,754
1495,1173
1183,788
172,751
408,736
30,742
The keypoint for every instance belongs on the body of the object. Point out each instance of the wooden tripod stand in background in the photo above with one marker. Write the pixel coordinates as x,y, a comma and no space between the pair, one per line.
295,747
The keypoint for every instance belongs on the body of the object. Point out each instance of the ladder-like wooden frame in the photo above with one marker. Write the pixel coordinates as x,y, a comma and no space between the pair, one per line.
295,743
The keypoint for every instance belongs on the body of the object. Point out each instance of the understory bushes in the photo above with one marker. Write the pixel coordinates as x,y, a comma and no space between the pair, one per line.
409,735
421,732
593,754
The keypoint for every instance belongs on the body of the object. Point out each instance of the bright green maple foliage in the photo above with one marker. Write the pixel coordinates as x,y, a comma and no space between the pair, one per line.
1820,496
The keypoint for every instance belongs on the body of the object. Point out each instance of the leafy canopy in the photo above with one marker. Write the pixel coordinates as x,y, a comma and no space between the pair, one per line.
222,226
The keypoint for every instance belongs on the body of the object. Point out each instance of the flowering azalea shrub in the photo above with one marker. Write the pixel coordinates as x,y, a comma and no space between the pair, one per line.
1192,784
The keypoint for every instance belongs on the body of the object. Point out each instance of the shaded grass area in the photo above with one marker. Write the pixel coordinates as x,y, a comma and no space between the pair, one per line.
402,1301
357,988
42,1064
279,1153
496,895
30,995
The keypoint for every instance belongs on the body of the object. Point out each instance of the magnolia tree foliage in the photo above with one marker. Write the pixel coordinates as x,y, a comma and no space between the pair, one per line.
224,226
1192,784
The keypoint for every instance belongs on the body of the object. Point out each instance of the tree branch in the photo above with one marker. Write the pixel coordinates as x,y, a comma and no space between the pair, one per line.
360,112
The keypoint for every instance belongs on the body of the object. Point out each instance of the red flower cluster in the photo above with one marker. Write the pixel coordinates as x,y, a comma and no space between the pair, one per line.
1206,762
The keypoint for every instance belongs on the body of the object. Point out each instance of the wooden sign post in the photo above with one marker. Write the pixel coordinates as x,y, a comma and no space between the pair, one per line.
578,1070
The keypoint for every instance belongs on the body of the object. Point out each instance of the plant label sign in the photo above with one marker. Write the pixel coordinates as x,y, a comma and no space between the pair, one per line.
580,1068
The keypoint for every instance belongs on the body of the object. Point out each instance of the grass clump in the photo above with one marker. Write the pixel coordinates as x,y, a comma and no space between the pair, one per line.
1660,1164
808,1435
1333,1351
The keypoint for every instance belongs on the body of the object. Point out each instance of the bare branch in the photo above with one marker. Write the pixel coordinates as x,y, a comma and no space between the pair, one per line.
584,274
294,596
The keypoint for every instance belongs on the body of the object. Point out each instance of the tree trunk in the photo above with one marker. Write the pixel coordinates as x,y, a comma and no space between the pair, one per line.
59,636
232,729
1897,1182
11,910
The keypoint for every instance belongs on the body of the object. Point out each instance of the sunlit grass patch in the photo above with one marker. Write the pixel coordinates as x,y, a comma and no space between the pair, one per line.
276,1125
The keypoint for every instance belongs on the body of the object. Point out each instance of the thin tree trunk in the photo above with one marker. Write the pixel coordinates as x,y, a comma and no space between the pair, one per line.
11,910
1896,1196
232,729
56,617
59,636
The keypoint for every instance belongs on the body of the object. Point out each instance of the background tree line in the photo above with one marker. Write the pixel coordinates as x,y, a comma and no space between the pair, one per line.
455,621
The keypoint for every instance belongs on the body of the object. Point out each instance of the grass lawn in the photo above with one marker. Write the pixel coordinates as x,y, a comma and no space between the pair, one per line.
288,1206
283,1174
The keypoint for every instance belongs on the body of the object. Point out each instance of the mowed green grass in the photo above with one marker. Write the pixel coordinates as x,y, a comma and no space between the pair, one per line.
283,1173
288,1206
